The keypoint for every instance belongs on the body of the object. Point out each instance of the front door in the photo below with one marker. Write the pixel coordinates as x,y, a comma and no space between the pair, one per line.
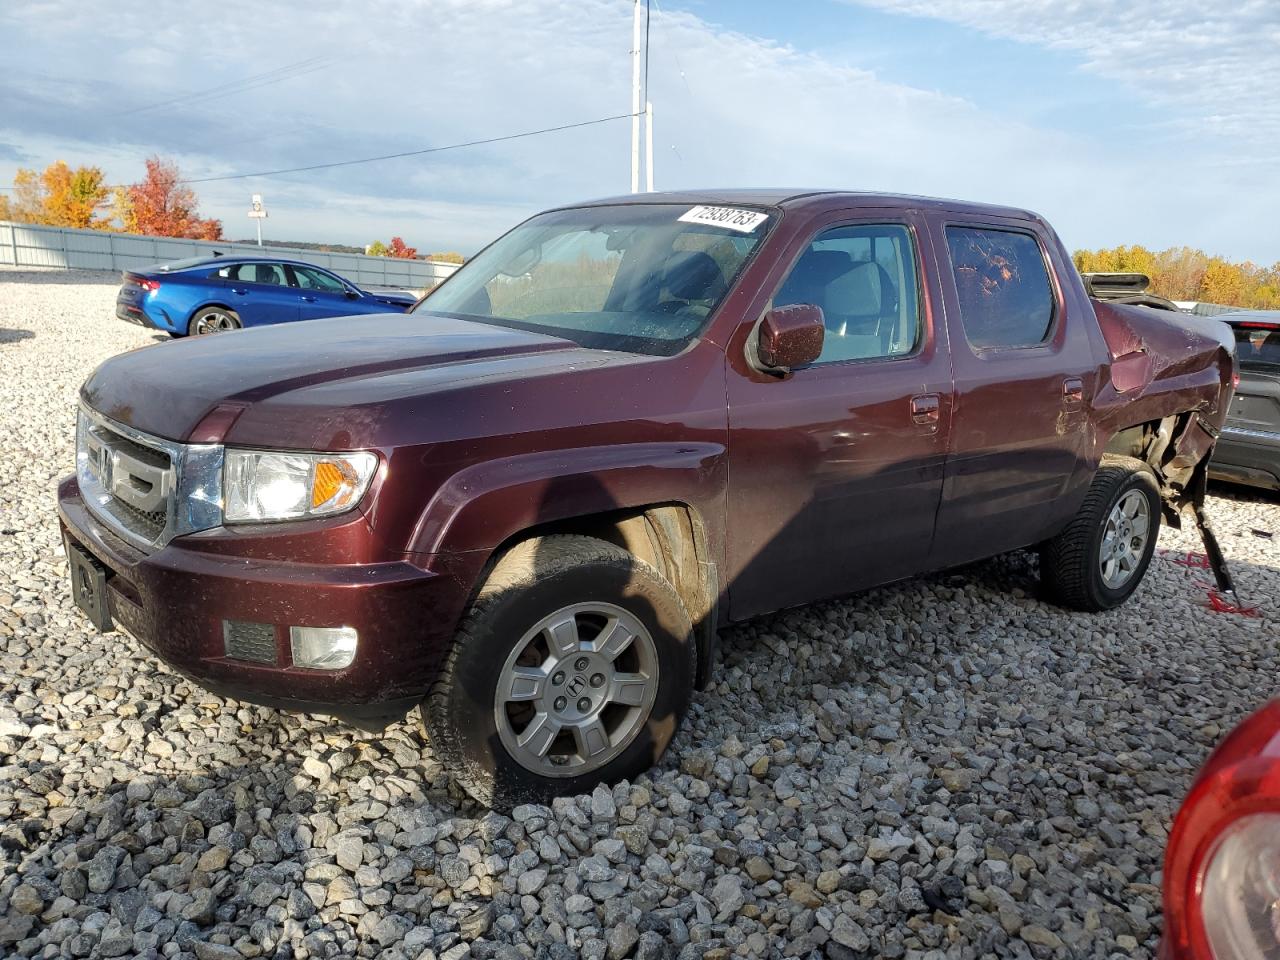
1025,375
321,294
835,470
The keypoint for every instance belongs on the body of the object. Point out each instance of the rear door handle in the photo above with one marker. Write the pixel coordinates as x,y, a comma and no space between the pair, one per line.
240,290
1072,390
926,408
307,299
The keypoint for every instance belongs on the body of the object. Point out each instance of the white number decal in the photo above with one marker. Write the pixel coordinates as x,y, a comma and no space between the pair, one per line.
732,218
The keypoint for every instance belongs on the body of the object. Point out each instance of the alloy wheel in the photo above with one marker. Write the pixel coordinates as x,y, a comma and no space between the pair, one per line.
576,689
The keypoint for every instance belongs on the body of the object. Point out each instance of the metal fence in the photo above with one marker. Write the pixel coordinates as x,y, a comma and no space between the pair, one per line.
29,245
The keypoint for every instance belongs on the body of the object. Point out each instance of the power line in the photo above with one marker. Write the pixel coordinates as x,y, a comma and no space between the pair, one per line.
407,153
411,153
278,74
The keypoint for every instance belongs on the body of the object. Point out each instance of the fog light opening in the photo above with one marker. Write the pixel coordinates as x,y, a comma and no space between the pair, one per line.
323,648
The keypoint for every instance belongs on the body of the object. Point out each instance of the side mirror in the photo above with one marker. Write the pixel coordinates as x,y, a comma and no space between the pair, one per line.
790,337
353,294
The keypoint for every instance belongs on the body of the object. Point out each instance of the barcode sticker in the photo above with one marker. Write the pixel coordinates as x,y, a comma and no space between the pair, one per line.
732,218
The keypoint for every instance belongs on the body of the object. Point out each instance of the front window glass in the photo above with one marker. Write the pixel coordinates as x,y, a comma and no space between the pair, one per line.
636,277
311,279
864,279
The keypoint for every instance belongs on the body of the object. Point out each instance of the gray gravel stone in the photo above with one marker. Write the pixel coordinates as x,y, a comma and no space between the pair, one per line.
944,767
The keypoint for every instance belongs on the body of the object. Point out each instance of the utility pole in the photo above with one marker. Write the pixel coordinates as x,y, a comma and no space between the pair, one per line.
635,99
648,145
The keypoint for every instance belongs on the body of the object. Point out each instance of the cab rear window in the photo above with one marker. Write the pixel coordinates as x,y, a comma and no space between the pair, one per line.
1257,344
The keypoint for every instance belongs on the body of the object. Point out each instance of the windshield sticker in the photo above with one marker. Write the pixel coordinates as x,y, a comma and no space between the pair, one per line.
732,218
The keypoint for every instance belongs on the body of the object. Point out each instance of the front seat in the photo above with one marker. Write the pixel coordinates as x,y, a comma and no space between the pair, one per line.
691,279
265,273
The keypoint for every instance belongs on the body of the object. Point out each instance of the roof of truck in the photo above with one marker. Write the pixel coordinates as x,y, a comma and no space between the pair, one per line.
800,198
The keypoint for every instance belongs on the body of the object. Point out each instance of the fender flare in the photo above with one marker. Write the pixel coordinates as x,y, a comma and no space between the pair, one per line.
486,504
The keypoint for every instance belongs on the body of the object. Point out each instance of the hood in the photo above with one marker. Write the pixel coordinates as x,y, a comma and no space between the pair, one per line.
393,296
323,368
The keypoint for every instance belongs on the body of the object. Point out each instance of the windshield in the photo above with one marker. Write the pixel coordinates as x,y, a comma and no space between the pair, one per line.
636,277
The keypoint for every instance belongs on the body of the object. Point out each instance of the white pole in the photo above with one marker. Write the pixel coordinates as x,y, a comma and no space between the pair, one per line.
648,145
635,100
258,221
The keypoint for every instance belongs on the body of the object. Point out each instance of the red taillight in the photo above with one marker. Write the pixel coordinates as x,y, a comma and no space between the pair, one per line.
1239,785
149,285
1235,379
1258,325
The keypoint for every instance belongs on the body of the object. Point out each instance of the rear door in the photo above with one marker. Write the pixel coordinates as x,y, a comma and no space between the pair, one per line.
1025,375
261,293
321,294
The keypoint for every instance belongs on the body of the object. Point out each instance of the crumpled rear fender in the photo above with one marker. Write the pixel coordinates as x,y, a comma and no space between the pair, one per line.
1166,390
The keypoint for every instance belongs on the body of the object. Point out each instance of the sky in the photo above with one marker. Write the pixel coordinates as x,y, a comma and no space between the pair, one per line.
1149,121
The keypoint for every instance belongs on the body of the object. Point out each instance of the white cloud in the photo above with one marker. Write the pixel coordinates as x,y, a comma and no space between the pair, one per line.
1217,65
403,75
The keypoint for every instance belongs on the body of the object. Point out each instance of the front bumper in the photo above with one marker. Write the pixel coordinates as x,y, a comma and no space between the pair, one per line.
175,601
1251,457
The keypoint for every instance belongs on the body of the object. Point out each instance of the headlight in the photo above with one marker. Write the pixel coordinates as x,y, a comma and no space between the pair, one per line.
1240,893
260,485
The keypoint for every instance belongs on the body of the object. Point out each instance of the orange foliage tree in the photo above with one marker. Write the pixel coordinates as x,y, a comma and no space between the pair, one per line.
1183,273
162,206
58,197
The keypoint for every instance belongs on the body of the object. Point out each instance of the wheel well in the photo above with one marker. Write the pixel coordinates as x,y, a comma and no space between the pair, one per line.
1174,448
670,538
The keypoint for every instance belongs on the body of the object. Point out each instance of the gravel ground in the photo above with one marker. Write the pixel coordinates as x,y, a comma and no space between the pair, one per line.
948,767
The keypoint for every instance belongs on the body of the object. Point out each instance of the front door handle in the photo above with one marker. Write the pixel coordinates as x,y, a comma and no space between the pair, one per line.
307,299
926,408
1072,390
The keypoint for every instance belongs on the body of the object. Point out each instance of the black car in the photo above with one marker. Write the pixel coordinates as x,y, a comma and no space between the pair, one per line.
1249,449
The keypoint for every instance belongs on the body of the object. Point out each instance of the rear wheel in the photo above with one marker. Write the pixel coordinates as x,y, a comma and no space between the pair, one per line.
208,320
1103,554
574,667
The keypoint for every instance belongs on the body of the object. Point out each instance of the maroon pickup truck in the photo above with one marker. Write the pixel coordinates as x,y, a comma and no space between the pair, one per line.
528,506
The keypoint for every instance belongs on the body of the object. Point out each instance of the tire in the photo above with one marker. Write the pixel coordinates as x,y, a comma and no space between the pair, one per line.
213,319
506,640
1073,568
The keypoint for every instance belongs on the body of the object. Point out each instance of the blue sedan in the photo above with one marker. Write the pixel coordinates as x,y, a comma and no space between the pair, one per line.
215,294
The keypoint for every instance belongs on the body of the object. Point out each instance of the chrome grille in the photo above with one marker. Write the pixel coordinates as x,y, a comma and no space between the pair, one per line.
146,489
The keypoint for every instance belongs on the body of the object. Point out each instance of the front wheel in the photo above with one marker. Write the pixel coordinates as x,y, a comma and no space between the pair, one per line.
1103,554
573,667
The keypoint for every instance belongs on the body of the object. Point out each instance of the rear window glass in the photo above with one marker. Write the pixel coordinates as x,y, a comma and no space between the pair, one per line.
1003,287
1258,344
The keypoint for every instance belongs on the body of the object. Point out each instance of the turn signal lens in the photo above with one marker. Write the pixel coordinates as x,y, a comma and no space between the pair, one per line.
334,484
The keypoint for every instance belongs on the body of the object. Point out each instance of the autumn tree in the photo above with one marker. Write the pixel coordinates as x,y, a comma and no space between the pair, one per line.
162,206
27,205
1184,273
401,250
73,197
447,257
58,197
396,248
